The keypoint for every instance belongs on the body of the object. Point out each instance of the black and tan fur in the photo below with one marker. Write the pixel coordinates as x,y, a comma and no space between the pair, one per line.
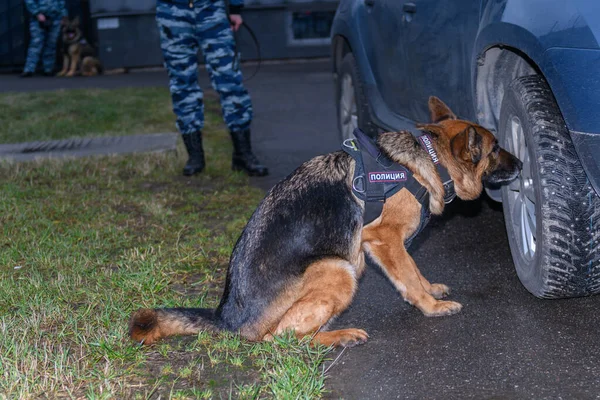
78,54
297,262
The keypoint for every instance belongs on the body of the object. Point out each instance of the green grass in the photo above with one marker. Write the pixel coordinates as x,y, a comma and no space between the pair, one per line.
85,242
91,112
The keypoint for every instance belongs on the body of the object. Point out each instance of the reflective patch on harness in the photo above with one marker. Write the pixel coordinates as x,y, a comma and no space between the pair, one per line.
389,176
426,142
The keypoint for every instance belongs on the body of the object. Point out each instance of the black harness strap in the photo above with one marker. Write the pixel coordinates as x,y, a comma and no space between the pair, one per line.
426,142
376,177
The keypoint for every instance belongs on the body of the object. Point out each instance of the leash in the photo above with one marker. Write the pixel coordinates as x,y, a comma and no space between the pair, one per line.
237,58
238,54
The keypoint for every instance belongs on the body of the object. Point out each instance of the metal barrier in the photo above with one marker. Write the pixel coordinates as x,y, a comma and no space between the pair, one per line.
125,33
128,36
13,35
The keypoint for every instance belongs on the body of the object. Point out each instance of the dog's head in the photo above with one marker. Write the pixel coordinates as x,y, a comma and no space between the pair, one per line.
71,32
474,156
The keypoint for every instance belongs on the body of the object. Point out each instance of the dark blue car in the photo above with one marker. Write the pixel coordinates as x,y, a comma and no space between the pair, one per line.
527,70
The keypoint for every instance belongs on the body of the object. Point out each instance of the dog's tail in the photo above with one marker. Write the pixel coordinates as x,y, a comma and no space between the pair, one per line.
149,325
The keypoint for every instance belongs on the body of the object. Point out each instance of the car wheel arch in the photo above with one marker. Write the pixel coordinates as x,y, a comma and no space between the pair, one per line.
340,47
497,66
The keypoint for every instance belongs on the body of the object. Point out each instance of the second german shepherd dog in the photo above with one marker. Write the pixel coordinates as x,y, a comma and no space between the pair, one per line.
297,262
78,55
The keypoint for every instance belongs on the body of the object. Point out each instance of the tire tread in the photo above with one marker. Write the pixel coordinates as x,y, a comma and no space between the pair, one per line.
570,206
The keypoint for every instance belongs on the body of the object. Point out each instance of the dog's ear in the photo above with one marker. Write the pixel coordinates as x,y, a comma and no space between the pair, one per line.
439,111
64,21
467,145
75,21
434,129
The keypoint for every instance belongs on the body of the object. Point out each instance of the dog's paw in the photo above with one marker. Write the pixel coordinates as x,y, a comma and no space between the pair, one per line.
442,308
439,290
353,337
70,74
350,337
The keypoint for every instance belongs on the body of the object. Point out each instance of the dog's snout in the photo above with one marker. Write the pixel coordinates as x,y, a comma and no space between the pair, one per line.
508,168
510,161
519,164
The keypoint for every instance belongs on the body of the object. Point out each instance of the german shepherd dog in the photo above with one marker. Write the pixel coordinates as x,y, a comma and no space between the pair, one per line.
297,262
78,55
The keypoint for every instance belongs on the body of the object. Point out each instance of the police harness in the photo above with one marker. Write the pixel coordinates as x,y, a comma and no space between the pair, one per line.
377,178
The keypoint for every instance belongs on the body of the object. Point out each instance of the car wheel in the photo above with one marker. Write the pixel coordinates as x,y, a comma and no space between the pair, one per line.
551,211
351,102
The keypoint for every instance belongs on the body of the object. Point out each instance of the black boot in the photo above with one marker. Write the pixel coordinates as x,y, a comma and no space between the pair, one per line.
193,144
243,158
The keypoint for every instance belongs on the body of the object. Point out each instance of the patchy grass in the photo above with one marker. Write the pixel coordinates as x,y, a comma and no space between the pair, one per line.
84,112
83,243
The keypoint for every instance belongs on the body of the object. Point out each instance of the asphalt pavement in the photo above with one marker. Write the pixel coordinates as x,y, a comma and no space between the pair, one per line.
505,344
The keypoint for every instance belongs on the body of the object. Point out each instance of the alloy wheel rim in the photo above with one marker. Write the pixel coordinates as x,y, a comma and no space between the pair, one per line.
348,110
521,193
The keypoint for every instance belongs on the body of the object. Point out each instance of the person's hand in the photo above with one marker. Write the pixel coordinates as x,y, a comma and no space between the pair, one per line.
41,17
236,21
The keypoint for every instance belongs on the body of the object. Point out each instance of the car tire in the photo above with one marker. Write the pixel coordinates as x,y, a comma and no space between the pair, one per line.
551,211
351,101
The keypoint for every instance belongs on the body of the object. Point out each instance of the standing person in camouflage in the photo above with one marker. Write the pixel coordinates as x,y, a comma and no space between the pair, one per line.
44,28
185,26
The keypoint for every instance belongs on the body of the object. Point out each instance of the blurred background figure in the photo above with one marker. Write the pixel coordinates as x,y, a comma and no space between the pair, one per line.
44,28
185,26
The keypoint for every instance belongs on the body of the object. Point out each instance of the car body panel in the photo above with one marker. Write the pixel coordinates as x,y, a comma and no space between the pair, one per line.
442,67
435,51
565,25
387,61
554,23
576,86
355,13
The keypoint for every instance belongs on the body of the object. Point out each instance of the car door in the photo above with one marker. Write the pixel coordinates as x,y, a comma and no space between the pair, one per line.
386,52
438,37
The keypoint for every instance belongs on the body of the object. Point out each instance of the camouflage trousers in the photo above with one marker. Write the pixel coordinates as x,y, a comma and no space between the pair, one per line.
183,31
43,42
